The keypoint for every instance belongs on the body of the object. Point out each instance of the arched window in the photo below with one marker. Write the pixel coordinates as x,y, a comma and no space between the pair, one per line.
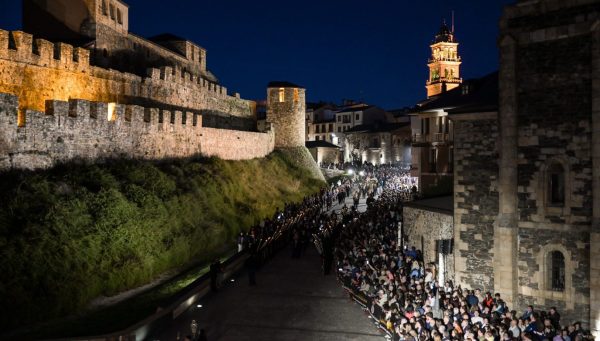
556,185
556,271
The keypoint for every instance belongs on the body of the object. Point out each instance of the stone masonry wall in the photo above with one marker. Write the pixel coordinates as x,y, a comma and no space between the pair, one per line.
475,200
236,145
554,66
89,131
38,70
552,130
287,116
430,226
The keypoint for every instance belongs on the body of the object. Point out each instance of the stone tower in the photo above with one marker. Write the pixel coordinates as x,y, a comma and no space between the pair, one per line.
444,64
286,106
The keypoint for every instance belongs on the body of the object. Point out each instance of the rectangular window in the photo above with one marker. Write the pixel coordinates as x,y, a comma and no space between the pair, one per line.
112,12
433,160
119,17
440,124
330,127
296,95
339,118
281,95
446,125
339,129
317,129
317,138
357,117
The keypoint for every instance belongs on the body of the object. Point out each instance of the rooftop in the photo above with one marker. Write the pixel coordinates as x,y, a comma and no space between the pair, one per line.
377,127
474,95
443,204
283,84
321,144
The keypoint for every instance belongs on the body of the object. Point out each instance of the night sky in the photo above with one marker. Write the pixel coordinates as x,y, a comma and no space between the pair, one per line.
374,51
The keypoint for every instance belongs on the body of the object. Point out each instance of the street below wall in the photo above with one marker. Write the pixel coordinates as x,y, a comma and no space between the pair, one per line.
293,300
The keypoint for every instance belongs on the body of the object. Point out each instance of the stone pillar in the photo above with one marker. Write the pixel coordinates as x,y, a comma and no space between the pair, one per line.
595,230
505,227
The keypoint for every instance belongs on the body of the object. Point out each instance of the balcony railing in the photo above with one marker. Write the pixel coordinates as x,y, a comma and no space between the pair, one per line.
419,138
440,137
445,80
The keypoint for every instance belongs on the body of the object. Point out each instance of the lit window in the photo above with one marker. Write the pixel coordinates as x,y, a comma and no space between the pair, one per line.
556,185
556,271
112,115
296,96
281,95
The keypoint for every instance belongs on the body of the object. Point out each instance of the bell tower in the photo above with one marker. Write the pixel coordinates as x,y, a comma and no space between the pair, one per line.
444,63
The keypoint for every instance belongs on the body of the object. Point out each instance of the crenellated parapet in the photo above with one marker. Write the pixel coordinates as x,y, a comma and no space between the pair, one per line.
88,131
21,47
38,70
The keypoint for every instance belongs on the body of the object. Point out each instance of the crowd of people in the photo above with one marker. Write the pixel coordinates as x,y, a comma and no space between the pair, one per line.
389,279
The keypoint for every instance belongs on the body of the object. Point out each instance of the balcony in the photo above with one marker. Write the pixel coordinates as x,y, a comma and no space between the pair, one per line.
440,138
445,80
433,60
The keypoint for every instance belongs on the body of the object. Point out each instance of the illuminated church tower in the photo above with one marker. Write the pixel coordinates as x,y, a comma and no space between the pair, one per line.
444,64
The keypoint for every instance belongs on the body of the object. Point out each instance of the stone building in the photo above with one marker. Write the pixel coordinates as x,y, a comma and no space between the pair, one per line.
528,226
324,153
102,26
379,143
320,123
352,115
428,225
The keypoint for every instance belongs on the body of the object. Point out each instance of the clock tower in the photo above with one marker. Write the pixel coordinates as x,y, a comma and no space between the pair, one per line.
444,63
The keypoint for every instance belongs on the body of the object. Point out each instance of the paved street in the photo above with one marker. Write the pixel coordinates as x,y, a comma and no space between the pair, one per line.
292,301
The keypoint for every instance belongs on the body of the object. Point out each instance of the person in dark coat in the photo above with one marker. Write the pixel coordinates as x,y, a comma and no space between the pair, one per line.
215,270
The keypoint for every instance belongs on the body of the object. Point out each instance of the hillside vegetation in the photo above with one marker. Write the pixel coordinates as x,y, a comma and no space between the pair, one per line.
75,232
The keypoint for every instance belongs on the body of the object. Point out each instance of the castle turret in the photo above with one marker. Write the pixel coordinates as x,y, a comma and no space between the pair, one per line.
444,64
286,106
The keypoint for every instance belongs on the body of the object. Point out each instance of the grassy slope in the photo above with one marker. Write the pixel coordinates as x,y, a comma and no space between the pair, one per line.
73,233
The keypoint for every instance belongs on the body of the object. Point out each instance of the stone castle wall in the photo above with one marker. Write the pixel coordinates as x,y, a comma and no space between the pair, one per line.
89,131
475,199
38,70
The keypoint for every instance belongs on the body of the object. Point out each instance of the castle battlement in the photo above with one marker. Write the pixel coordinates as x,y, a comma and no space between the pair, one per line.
61,71
90,131
41,52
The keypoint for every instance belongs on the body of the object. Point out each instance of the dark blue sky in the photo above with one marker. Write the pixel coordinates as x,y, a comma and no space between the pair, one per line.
372,50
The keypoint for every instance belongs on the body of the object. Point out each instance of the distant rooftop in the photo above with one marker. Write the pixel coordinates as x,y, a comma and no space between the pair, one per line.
377,127
443,204
320,143
474,95
283,84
